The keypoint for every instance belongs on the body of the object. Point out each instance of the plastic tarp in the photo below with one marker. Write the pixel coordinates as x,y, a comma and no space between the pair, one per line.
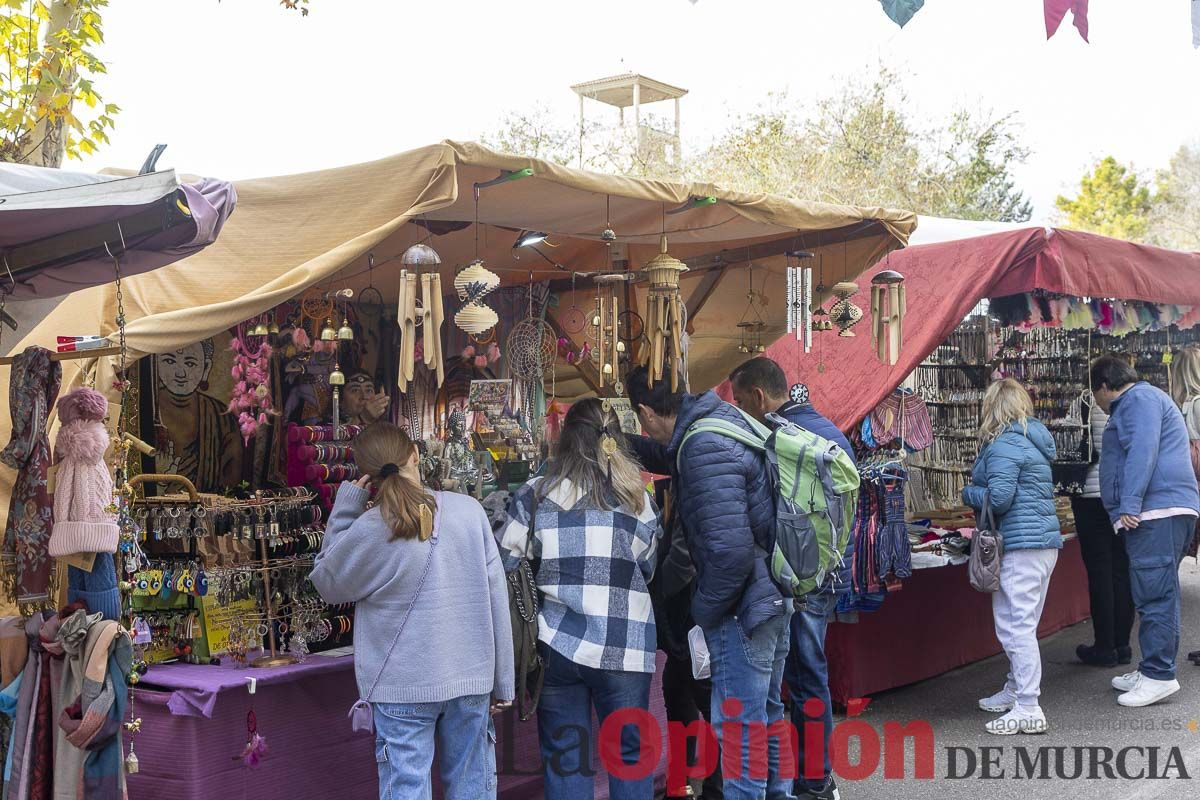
38,203
946,281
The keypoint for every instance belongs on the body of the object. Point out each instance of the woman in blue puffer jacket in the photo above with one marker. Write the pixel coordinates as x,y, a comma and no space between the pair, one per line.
1012,473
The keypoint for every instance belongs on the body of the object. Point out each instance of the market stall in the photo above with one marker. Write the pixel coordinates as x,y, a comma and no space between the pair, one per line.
1057,299
463,294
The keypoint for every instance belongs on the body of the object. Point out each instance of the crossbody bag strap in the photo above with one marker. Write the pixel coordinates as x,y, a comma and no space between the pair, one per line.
420,583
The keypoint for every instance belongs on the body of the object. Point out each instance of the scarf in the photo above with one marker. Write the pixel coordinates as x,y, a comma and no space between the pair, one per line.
93,719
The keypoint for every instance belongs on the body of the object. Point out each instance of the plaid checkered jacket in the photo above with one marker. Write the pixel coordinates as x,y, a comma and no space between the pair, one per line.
592,570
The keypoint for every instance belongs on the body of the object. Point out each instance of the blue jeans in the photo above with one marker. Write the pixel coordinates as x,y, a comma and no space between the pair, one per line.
1156,548
749,670
405,735
807,676
564,720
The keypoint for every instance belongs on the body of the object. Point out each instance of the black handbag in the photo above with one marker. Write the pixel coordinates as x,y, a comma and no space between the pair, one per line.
523,608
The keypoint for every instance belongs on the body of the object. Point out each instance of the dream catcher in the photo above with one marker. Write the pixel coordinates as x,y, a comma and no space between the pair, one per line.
573,320
799,297
315,307
664,316
752,324
887,314
531,353
844,313
370,300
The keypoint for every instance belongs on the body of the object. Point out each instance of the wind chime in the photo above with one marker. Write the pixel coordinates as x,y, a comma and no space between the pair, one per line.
606,325
752,328
664,316
428,316
887,314
844,314
799,297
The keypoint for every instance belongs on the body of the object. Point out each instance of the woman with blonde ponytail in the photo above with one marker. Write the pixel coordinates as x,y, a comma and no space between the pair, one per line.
433,649
592,532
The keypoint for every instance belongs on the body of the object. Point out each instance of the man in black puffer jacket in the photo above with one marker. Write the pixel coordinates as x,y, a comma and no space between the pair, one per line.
723,497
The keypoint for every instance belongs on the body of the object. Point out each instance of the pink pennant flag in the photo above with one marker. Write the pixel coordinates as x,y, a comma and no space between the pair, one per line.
1056,10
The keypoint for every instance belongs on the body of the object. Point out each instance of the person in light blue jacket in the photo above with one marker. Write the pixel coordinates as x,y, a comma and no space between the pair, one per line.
1149,489
1012,476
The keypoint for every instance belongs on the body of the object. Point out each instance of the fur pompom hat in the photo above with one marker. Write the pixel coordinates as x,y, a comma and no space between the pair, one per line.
83,488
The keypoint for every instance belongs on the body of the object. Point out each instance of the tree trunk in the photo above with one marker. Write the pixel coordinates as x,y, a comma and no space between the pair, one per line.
50,135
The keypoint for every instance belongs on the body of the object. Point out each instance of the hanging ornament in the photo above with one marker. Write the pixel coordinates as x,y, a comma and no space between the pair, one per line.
250,398
752,324
608,335
845,314
800,296
664,316
472,284
345,333
887,314
432,317
328,334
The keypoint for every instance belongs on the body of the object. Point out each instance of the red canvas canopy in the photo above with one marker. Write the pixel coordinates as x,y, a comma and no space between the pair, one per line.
945,281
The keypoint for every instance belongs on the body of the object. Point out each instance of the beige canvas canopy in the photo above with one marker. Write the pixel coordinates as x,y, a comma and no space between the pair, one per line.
296,231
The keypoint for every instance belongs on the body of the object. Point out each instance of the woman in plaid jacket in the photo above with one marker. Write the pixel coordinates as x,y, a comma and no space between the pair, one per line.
592,532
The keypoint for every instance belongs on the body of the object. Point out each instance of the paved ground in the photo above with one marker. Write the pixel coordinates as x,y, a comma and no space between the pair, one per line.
1080,705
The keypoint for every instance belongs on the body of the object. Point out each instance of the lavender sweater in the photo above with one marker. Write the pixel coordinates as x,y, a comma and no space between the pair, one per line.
458,638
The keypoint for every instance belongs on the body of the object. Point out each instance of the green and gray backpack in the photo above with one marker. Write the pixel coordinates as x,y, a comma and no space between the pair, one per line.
815,485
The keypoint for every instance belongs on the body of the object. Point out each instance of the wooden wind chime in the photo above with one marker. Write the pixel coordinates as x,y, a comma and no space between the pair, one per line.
887,314
605,324
664,316
429,315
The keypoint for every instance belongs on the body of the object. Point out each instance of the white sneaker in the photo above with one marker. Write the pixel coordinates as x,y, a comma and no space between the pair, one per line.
999,703
1127,682
1147,692
1019,720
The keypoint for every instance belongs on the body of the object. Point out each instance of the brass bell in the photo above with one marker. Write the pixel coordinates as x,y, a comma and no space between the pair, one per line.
328,334
131,763
337,377
259,330
345,333
273,328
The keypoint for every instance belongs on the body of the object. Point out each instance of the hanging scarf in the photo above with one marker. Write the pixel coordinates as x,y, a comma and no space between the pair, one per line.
92,721
31,393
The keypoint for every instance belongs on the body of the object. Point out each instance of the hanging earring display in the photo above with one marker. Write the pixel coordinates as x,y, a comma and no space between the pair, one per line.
664,316
887,314
799,297
844,313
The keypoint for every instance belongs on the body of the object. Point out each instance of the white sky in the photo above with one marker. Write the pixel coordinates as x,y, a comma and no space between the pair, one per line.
241,88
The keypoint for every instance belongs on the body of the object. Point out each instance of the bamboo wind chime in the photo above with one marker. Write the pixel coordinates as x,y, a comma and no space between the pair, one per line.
429,315
664,316
608,339
887,314
799,297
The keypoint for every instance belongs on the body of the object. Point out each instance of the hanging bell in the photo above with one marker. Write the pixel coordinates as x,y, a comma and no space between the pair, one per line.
345,333
259,330
273,328
328,334
608,368
337,377
131,763
620,347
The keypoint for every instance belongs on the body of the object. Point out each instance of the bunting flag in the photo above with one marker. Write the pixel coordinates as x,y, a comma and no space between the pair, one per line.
1056,10
1196,23
901,11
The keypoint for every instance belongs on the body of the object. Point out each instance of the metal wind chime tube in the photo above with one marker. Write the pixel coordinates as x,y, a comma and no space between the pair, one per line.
800,297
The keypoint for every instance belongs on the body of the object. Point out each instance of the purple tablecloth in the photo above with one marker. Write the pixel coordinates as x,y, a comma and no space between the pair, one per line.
194,729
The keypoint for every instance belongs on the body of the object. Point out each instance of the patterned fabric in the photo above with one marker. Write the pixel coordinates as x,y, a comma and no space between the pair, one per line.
593,567
902,417
32,391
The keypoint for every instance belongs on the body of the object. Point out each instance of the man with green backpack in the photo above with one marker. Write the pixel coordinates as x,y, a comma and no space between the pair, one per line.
760,388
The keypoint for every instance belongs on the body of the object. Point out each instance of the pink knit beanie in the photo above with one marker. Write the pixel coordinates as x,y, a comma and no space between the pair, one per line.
83,486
